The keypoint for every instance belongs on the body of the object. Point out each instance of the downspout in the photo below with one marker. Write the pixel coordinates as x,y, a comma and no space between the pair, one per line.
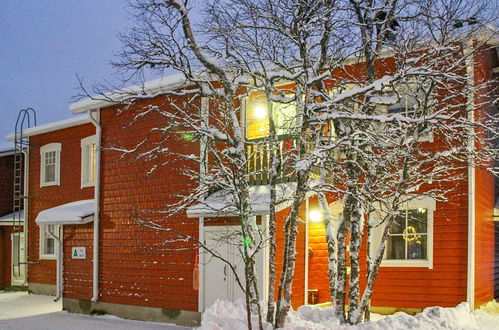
60,263
95,270
470,288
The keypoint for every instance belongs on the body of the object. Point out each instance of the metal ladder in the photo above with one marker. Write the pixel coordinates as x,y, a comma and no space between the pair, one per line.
25,119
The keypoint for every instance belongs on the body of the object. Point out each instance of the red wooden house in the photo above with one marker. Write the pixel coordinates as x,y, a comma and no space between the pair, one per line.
9,276
87,199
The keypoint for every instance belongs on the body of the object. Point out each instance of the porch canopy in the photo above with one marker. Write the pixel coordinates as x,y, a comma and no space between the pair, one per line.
75,213
223,203
8,219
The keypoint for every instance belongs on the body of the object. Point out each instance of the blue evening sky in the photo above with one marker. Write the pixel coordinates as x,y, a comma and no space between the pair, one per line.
44,44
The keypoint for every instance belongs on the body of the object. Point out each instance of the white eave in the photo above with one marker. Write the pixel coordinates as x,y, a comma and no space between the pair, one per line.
222,203
50,127
158,86
8,219
75,213
7,152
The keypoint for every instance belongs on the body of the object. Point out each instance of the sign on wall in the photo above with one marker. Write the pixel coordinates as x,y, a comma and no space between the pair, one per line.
78,252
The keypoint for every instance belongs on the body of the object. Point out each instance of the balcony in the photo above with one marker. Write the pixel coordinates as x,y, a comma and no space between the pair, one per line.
258,155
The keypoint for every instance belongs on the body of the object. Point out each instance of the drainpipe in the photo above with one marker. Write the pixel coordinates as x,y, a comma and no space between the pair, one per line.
95,270
470,287
60,263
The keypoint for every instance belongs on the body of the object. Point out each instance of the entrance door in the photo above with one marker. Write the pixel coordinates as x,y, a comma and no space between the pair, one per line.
219,279
18,259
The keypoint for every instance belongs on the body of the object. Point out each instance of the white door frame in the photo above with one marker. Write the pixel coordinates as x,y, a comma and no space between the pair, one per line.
13,281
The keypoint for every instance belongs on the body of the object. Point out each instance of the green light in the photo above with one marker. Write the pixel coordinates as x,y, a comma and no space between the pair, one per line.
247,241
187,136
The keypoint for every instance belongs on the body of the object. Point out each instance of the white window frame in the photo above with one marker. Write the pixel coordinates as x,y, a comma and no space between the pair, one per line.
426,203
404,103
51,147
43,235
85,161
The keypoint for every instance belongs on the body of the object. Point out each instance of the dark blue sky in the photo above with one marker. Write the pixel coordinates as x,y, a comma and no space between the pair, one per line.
44,44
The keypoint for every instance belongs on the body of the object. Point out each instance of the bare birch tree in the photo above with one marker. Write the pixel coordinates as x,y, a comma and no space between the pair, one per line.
369,81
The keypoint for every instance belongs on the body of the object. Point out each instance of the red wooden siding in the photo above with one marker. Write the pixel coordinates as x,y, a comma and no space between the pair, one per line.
484,237
69,190
5,256
298,297
317,262
485,60
411,287
6,184
136,268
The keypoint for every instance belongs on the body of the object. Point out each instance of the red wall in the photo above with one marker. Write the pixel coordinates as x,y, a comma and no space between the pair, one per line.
5,256
69,190
486,60
411,287
484,237
136,267
6,188
298,297
6,184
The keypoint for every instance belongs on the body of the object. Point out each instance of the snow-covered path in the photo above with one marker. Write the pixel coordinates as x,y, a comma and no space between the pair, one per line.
18,310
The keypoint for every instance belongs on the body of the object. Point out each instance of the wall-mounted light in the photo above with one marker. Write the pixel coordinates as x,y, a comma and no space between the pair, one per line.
260,111
315,215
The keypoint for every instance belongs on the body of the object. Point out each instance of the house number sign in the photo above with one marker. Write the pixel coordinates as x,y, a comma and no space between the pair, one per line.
78,252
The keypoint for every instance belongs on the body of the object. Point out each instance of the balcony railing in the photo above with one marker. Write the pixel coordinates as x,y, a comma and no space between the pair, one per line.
258,155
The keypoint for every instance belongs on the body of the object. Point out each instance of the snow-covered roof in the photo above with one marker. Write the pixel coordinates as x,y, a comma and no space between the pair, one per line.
6,152
54,126
152,87
222,203
75,213
7,220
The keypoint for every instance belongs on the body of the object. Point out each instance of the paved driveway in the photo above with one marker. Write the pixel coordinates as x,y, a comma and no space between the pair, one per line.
20,310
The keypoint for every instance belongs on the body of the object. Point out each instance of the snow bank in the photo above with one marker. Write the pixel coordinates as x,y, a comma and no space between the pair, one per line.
224,315
227,315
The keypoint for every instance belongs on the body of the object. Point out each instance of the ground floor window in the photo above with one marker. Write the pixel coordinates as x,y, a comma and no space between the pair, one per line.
408,238
47,242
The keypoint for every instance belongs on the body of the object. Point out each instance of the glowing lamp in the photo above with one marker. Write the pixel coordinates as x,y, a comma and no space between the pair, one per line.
260,111
315,215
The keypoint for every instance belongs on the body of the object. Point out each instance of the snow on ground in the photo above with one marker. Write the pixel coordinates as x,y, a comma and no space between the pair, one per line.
20,310
226,315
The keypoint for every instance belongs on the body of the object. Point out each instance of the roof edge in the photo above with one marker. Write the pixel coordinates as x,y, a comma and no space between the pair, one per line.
50,127
154,86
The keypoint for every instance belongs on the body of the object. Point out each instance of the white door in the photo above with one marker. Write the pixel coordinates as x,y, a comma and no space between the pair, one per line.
18,259
219,279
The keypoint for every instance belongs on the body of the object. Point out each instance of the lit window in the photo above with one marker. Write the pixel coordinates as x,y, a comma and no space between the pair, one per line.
88,161
408,238
50,164
47,242
257,122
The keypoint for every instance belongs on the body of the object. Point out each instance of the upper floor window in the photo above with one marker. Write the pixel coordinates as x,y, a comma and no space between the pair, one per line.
409,106
50,164
88,161
257,117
